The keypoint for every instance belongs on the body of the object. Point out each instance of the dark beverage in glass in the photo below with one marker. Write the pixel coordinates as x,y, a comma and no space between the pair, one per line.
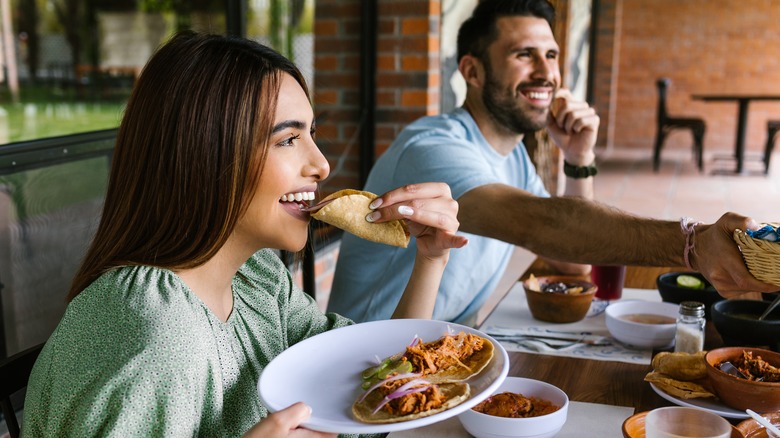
609,280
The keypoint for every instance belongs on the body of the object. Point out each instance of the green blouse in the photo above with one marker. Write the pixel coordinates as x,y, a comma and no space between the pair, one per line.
138,354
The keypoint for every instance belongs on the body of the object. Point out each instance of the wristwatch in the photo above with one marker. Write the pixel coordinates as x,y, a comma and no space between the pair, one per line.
578,172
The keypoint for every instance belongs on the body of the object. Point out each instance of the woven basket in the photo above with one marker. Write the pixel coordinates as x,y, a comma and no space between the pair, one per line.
761,256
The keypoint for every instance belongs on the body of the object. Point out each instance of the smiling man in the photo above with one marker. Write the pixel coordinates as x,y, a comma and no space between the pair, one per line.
509,58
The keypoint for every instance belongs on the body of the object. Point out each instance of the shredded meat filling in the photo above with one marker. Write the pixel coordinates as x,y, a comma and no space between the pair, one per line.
416,402
443,353
756,368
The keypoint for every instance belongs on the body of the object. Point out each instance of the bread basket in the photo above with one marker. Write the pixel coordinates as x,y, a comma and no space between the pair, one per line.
762,257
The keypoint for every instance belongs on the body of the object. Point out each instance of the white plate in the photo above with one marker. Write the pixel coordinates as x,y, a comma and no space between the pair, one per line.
707,404
324,372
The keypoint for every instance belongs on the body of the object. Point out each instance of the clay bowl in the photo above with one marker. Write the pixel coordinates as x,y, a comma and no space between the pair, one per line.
751,429
739,393
672,293
738,324
559,307
634,427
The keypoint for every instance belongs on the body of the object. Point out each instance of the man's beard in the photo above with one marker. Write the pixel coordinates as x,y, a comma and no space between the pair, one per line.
505,108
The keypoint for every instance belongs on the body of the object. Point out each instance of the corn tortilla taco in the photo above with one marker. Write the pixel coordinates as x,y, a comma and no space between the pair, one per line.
425,379
431,400
347,210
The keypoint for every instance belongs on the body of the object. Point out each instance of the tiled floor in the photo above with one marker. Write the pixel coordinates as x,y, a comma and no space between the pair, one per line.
626,180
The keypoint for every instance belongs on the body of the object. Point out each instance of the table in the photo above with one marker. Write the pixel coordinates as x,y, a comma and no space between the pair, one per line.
611,383
743,100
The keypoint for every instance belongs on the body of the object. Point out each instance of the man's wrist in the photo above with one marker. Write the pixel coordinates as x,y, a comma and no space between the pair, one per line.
578,172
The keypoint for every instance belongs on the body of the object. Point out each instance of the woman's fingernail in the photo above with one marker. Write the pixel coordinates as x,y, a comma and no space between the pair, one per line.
374,215
375,203
406,211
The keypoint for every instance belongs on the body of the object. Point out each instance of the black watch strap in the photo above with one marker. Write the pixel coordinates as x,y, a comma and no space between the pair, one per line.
577,172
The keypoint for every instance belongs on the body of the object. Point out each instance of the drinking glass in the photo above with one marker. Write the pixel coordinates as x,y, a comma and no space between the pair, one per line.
609,280
678,422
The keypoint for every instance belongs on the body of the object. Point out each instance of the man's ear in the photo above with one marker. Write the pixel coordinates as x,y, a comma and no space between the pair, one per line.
472,70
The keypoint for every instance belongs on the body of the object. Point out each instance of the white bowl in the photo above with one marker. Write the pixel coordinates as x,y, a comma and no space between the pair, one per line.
639,334
489,426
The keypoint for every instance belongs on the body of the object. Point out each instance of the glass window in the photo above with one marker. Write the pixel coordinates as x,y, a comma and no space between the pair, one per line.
69,65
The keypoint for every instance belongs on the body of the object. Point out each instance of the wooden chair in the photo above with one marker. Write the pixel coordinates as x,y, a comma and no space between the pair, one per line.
668,123
772,128
14,374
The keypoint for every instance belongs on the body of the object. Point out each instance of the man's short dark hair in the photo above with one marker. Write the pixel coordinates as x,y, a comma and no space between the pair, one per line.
479,30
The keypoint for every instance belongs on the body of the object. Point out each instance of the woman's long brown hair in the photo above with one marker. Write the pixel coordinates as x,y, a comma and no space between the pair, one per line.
188,154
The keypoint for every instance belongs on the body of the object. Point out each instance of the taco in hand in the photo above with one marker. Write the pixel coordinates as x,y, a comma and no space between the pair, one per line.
425,379
347,209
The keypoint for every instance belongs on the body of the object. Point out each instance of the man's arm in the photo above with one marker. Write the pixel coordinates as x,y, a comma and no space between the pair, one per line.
582,231
573,126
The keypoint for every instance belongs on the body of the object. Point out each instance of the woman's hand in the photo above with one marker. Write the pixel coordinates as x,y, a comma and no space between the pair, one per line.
285,424
430,212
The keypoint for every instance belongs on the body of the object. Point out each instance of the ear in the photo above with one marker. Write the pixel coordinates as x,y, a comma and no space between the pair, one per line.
472,70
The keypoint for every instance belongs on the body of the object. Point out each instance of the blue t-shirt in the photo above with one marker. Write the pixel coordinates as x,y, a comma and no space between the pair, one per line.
370,277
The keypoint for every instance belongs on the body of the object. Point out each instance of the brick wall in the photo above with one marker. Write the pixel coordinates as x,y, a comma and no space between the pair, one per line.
407,77
704,46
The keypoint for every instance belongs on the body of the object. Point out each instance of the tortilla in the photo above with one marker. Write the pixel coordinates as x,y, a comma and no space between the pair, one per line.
347,210
681,366
678,388
475,363
455,393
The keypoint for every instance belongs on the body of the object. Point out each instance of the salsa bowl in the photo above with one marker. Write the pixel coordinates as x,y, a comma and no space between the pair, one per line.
642,324
490,426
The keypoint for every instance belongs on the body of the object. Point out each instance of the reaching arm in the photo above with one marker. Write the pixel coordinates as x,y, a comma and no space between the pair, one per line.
573,126
581,231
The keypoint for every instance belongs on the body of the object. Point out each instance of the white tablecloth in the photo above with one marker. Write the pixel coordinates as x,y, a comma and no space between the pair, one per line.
583,419
512,314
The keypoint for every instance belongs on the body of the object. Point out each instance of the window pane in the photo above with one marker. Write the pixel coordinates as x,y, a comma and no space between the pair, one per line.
73,62
288,27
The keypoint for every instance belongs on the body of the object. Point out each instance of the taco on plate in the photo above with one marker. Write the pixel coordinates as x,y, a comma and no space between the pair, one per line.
409,398
347,209
425,379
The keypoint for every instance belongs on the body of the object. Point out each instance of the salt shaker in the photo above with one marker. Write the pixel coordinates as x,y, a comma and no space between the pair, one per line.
689,337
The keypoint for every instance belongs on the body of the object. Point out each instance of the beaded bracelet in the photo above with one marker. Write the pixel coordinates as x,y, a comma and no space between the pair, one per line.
688,226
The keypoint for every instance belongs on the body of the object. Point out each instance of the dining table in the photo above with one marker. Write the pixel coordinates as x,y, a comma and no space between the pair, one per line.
608,391
743,102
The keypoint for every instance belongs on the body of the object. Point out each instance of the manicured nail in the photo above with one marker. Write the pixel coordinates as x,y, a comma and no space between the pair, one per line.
406,211
374,215
375,203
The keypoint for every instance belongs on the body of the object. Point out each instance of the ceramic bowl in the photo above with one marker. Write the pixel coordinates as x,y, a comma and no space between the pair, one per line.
739,393
488,426
738,324
559,307
672,293
642,334
634,427
751,429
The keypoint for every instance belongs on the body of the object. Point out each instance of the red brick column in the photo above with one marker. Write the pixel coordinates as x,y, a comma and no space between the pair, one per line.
407,76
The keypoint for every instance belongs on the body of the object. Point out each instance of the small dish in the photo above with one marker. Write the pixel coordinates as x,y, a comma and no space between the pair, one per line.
751,429
559,307
650,334
634,427
545,426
